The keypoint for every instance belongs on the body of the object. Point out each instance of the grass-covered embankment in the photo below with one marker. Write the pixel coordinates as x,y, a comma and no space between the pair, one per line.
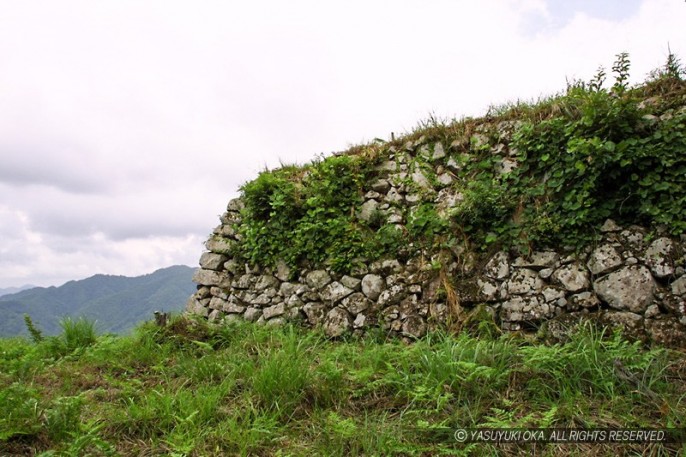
191,389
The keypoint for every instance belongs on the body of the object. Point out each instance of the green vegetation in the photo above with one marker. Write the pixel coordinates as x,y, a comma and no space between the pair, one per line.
305,214
191,389
117,303
530,175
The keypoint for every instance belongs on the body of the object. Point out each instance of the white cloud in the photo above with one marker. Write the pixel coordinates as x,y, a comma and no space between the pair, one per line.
126,126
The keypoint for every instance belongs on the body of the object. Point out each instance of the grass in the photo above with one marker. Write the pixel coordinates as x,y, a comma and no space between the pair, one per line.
190,389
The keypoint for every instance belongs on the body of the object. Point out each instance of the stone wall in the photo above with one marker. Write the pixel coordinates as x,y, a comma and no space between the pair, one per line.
627,279
630,277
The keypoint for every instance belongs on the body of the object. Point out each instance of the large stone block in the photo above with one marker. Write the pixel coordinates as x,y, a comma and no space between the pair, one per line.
573,277
627,289
212,261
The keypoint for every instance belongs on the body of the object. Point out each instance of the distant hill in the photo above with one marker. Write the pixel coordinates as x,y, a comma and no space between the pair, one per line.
14,290
117,303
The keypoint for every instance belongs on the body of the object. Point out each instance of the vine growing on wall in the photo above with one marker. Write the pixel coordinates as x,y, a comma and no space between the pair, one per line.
592,153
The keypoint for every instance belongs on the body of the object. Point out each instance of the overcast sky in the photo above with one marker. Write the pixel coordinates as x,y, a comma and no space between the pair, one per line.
126,126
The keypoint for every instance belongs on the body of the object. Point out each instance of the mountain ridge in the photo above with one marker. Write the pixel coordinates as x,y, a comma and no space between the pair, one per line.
116,302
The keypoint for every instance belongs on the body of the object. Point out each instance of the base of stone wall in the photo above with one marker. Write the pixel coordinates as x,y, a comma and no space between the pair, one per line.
626,280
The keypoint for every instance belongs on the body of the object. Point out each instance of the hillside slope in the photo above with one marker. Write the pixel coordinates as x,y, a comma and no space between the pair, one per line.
117,303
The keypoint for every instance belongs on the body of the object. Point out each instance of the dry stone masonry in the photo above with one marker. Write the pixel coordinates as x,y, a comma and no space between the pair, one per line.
627,279
630,277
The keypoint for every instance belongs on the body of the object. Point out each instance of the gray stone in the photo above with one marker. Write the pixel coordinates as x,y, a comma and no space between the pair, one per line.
415,289
356,303
525,309
479,141
386,267
205,291
659,257
446,200
233,308
629,288
506,166
372,286
585,300
359,321
286,289
315,312
219,292
220,245
212,261
546,273
252,314
242,282
610,226
273,311
634,237
573,277
350,282
334,292
232,267
283,272
387,166
421,180
487,289
317,279
552,294
276,322
193,306
498,267
630,324
261,300
679,286
211,278
217,303
439,152
294,302
392,280
394,217
235,205
652,311
215,315
538,260
414,326
453,165
444,179
393,196
392,295
266,282
380,185
604,259
524,281
337,322
413,199
368,210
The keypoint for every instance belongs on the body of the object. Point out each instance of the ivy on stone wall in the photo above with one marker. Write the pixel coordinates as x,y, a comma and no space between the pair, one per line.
564,166
305,214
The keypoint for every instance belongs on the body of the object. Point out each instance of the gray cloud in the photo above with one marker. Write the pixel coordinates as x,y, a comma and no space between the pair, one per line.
126,126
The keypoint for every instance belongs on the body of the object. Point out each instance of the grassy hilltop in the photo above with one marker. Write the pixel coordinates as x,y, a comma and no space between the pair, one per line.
244,389
193,389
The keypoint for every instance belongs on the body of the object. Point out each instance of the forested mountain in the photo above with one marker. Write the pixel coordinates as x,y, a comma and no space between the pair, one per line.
14,290
117,303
